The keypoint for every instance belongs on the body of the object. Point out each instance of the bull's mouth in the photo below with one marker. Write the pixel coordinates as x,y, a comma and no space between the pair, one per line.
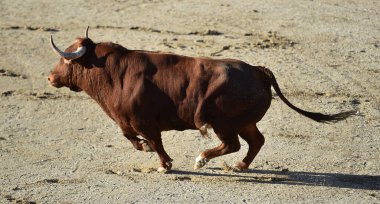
56,85
73,88
76,89
59,85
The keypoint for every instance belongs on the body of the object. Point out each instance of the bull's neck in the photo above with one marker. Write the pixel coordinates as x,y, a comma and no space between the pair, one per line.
97,84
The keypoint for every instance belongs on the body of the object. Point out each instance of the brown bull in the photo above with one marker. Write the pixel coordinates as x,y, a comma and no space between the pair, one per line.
146,93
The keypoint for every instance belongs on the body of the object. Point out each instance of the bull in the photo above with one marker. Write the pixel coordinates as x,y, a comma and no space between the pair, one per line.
146,93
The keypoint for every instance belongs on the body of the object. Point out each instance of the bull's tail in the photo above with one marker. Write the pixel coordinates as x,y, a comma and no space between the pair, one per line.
319,117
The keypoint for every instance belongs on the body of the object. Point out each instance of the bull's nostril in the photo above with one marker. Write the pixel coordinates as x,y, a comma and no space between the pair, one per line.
48,78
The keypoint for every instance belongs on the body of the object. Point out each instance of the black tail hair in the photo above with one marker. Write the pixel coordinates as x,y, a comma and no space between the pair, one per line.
319,117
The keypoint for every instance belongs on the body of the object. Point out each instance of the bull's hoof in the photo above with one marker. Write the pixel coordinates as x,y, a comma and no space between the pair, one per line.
162,170
240,166
165,168
145,146
200,162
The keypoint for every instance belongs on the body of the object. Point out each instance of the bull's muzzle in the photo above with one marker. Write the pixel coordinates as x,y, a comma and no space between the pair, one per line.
53,81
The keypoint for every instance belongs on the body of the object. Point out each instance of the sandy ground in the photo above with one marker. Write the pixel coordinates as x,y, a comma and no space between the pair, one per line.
57,146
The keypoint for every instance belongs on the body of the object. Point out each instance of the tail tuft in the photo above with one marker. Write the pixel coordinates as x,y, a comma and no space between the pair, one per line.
333,118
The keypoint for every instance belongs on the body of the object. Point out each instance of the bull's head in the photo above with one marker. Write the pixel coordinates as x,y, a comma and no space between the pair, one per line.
66,70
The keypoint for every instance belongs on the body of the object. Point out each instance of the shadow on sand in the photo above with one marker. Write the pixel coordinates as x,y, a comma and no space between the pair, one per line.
337,180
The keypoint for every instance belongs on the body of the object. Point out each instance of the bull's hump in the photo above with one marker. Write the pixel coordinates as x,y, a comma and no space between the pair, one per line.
168,59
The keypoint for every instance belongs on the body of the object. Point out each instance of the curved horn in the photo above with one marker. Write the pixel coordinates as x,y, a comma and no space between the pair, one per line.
87,31
68,55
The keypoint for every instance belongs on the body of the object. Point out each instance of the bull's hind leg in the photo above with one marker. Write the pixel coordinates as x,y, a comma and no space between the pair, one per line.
255,141
200,115
230,144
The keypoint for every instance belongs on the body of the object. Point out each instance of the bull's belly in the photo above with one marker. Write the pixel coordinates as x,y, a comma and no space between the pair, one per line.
181,120
176,123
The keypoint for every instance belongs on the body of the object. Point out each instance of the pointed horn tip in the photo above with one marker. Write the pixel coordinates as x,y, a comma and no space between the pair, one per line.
87,31
52,42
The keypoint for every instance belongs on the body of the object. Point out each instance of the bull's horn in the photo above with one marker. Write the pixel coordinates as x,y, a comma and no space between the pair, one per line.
87,31
68,55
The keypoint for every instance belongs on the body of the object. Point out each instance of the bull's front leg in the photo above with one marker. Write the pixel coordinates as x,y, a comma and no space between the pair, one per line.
139,144
154,141
166,161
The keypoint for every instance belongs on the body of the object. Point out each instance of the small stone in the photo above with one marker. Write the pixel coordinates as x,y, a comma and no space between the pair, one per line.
319,93
227,47
134,28
43,95
182,178
7,93
148,170
213,32
372,194
136,170
226,167
16,188
355,102
110,171
286,170
9,198
51,180
329,94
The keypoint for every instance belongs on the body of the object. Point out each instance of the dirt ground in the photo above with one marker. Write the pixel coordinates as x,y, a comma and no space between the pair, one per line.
58,146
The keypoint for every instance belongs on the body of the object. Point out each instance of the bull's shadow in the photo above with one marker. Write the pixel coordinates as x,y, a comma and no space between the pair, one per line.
337,180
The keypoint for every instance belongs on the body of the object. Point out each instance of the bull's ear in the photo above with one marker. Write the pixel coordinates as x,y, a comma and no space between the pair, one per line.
89,58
